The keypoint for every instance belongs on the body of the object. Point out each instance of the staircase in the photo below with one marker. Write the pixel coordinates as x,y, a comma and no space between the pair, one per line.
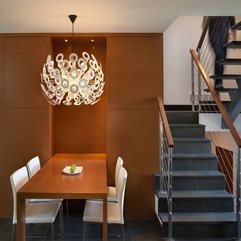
234,107
202,208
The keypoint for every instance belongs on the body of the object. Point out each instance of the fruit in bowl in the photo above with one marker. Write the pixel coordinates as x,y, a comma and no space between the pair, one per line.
72,168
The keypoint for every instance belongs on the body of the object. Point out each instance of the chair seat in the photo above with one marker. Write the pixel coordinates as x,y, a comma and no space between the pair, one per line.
44,212
35,200
94,212
112,196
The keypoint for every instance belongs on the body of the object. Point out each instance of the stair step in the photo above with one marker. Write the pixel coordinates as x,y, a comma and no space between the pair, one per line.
223,89
188,130
229,61
193,161
237,26
194,174
206,239
201,225
195,180
197,201
233,44
182,117
226,89
209,217
196,194
191,145
226,76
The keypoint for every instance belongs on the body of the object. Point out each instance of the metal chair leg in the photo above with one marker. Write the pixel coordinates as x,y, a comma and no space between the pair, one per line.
13,231
61,219
123,232
84,231
52,231
67,208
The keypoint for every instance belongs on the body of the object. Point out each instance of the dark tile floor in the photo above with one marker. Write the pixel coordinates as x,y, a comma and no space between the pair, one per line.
135,230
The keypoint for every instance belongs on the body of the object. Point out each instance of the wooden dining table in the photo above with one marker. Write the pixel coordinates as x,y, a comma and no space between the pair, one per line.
51,182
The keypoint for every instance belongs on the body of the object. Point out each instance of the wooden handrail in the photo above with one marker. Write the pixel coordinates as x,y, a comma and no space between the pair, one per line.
219,104
165,123
205,29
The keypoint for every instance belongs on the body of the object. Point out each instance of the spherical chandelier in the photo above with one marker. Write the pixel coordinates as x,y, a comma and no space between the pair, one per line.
73,81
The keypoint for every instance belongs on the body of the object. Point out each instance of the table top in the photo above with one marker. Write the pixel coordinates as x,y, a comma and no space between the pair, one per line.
51,182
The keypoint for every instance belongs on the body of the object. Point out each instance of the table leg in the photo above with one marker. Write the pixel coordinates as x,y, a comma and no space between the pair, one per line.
105,224
20,230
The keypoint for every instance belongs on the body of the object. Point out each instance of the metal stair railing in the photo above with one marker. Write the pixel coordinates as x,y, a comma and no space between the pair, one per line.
212,110
166,147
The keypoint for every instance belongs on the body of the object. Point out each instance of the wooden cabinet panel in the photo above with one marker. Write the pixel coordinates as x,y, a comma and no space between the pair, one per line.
24,119
24,57
135,80
134,70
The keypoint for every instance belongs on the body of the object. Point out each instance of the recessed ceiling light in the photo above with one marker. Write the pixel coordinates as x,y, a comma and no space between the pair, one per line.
66,40
92,40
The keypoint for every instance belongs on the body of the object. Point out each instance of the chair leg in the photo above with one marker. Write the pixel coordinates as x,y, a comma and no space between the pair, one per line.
67,208
13,232
84,231
52,231
123,232
61,219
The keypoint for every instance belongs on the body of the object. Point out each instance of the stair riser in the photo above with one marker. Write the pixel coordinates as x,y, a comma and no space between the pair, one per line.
179,117
191,147
197,183
188,132
202,230
197,205
195,165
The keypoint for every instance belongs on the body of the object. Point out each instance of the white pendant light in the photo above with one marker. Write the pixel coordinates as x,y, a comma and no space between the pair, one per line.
73,81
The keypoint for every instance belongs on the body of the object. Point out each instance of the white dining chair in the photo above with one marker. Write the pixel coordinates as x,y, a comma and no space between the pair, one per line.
33,166
41,213
112,191
93,211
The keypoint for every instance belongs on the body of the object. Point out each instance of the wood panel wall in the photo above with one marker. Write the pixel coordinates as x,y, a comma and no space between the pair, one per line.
81,129
24,119
135,72
124,123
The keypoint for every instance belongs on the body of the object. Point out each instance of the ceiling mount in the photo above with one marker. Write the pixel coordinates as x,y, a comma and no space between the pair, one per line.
72,17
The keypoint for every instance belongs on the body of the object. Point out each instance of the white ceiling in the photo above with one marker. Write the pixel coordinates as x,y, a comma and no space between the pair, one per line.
19,16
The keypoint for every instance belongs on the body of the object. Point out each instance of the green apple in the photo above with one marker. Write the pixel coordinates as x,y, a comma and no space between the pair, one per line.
72,168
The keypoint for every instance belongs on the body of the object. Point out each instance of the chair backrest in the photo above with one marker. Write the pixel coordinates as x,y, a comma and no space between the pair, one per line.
33,166
17,180
121,186
119,164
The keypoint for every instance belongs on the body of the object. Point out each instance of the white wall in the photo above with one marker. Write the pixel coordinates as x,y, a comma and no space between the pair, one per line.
181,36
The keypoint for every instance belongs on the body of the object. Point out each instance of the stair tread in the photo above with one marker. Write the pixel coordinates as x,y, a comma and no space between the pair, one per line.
210,217
233,44
226,76
237,26
230,61
196,173
223,89
205,239
200,194
190,139
193,155
188,125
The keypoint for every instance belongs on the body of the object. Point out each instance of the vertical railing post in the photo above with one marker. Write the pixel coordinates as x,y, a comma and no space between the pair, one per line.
238,194
199,83
192,79
169,194
161,155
